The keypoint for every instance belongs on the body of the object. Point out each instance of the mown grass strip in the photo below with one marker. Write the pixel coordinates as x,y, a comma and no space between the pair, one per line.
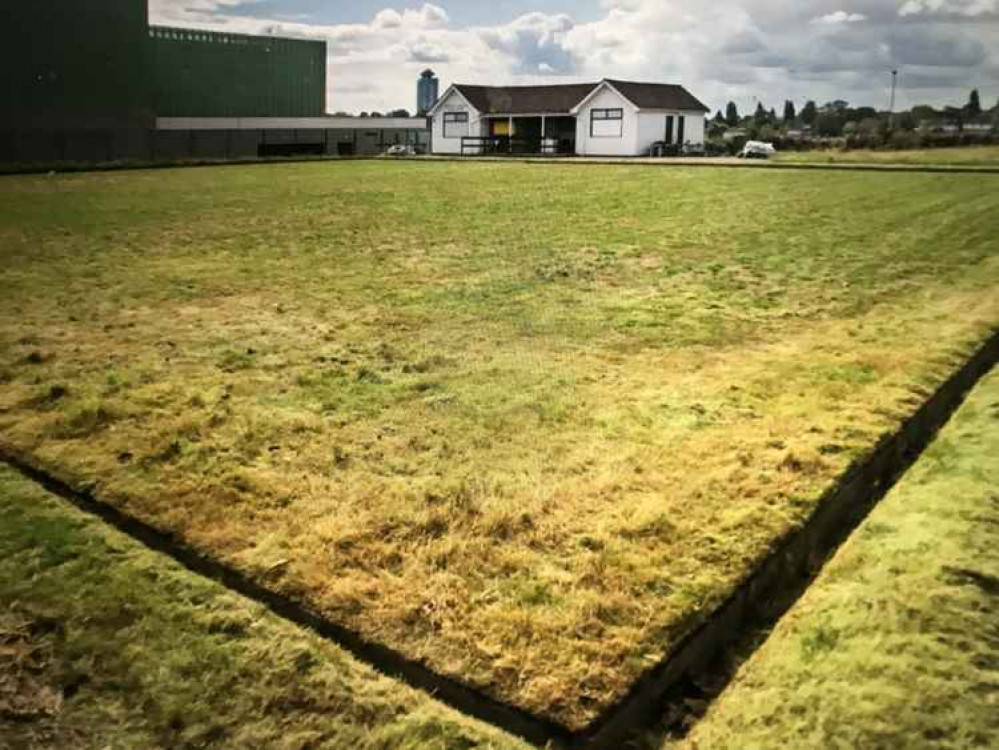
730,163
108,644
907,162
896,644
964,156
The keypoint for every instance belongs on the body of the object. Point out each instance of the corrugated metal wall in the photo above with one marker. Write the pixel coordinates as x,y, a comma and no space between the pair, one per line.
210,74
36,148
76,64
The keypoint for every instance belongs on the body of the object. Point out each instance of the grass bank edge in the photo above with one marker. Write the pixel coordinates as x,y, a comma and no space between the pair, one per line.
123,647
896,642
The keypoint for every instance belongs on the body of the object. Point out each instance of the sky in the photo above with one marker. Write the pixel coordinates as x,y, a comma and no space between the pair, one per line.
721,50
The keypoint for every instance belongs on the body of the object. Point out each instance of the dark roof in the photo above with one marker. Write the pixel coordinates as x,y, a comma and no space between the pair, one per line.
560,99
658,95
514,100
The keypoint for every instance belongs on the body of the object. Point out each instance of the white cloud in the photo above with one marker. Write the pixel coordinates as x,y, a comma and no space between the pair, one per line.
165,11
387,19
840,16
727,49
966,8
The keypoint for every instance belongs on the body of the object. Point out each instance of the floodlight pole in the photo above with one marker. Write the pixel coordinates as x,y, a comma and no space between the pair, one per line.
891,103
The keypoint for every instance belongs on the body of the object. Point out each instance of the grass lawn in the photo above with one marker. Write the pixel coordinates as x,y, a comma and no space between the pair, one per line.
969,156
106,644
527,424
896,644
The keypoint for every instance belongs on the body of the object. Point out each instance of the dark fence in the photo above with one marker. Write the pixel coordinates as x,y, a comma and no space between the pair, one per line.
30,149
505,146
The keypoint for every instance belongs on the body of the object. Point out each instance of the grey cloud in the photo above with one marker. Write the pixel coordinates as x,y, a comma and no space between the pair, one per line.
426,53
936,79
534,42
744,42
918,46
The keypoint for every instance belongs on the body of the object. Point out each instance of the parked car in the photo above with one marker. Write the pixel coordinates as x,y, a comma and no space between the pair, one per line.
757,150
400,150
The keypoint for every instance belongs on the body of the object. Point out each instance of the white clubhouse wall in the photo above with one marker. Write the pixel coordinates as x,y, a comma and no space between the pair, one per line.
453,103
652,128
625,145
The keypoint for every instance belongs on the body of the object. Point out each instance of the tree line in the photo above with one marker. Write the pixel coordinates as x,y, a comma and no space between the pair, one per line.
837,118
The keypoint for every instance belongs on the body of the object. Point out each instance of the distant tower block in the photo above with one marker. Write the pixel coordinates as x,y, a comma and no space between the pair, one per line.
427,91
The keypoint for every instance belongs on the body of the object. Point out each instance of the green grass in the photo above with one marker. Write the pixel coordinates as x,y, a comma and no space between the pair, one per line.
527,424
106,644
965,156
896,644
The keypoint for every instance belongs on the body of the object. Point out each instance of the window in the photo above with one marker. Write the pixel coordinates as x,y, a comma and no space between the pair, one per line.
606,123
455,124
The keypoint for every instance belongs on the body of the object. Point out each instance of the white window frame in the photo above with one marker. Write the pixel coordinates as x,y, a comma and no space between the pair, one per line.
607,117
455,120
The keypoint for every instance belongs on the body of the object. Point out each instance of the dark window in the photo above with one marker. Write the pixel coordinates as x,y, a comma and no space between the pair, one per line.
455,124
606,123
669,129
679,129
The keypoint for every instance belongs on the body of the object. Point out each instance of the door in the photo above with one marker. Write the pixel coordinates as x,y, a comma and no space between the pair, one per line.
679,130
669,129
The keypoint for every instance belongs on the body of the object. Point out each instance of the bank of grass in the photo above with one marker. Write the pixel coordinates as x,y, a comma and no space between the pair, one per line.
965,156
106,644
527,424
896,644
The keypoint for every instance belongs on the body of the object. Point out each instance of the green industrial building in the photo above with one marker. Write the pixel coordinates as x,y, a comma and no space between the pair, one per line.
211,74
72,65
90,81
98,64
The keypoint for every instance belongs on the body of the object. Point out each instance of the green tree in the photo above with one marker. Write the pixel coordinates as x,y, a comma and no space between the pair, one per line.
809,113
716,129
906,121
789,113
924,112
399,113
719,117
732,114
760,116
955,116
974,106
828,123
767,133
